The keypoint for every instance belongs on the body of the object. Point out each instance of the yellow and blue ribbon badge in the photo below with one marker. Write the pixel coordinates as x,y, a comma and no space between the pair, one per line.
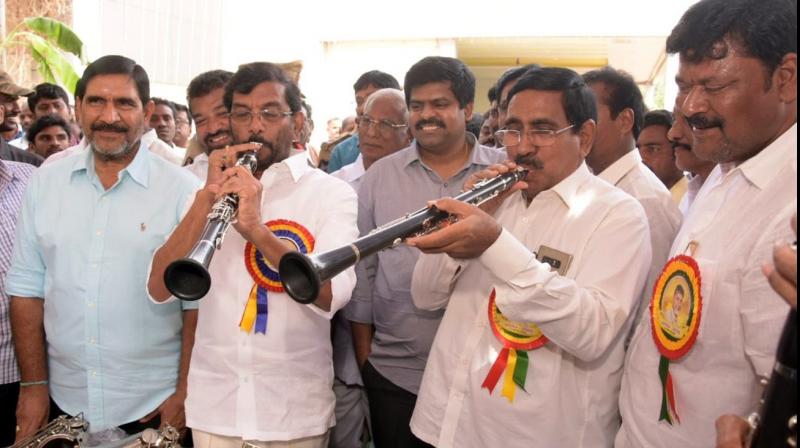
675,311
517,339
265,276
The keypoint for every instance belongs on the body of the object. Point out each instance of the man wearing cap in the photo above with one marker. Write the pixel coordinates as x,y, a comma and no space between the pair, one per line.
9,94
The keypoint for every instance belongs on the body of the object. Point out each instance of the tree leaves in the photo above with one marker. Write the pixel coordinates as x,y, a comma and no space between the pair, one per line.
57,33
48,40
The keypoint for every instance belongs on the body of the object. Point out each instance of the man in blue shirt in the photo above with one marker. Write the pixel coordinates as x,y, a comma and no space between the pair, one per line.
86,336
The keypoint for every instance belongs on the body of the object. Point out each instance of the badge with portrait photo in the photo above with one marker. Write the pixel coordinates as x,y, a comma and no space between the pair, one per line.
675,311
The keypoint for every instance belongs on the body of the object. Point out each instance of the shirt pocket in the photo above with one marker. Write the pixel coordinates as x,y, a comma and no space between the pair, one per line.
708,333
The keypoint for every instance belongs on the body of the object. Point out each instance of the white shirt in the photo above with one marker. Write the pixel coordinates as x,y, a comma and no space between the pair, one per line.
695,183
573,381
21,143
278,385
736,218
149,139
352,173
630,175
199,167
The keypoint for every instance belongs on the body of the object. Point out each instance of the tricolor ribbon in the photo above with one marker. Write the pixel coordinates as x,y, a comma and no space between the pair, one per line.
517,339
265,277
668,411
515,365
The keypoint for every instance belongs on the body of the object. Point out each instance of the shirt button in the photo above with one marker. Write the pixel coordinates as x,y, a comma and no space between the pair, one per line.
245,379
92,340
94,372
99,232
90,304
94,265
446,185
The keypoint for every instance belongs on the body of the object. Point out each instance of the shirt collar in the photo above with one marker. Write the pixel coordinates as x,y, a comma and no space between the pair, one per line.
476,156
568,189
614,173
298,166
138,169
760,169
201,158
355,170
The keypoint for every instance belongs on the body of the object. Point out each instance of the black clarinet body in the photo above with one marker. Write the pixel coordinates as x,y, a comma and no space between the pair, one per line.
188,278
775,425
302,275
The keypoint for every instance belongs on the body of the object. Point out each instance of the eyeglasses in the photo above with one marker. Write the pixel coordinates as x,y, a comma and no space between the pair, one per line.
384,126
245,116
537,137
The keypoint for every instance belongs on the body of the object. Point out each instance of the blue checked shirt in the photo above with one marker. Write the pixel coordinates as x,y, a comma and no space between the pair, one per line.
13,177
112,353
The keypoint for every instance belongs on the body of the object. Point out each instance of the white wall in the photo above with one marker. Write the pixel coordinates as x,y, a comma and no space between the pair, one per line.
337,41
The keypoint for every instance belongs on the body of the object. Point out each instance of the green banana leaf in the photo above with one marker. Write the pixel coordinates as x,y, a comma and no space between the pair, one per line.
53,66
57,33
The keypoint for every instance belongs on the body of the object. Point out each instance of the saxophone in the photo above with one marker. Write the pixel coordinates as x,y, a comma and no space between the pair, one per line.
71,432
165,438
67,430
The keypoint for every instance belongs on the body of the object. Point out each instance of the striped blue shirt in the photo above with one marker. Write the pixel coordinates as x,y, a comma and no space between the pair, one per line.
112,353
13,177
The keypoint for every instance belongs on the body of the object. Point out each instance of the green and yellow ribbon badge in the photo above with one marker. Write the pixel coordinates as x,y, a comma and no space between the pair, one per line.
675,311
517,339
265,276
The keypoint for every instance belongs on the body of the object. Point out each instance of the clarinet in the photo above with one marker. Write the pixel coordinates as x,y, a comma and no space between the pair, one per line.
188,277
775,424
302,276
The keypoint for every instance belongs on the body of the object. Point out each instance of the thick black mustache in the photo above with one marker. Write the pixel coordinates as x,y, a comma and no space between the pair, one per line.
678,145
699,121
529,160
422,123
109,127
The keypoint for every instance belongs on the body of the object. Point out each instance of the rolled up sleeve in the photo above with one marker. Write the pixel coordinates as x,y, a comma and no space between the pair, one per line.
26,276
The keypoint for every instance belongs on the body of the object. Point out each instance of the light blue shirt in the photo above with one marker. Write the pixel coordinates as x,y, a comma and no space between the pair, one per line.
112,353
344,153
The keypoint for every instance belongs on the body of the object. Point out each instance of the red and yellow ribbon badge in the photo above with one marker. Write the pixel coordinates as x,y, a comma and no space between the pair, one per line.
675,311
265,276
517,339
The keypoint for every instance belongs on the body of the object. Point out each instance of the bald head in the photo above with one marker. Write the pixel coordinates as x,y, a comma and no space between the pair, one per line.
383,128
391,98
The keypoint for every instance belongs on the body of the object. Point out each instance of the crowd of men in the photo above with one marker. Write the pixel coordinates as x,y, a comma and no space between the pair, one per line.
629,292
